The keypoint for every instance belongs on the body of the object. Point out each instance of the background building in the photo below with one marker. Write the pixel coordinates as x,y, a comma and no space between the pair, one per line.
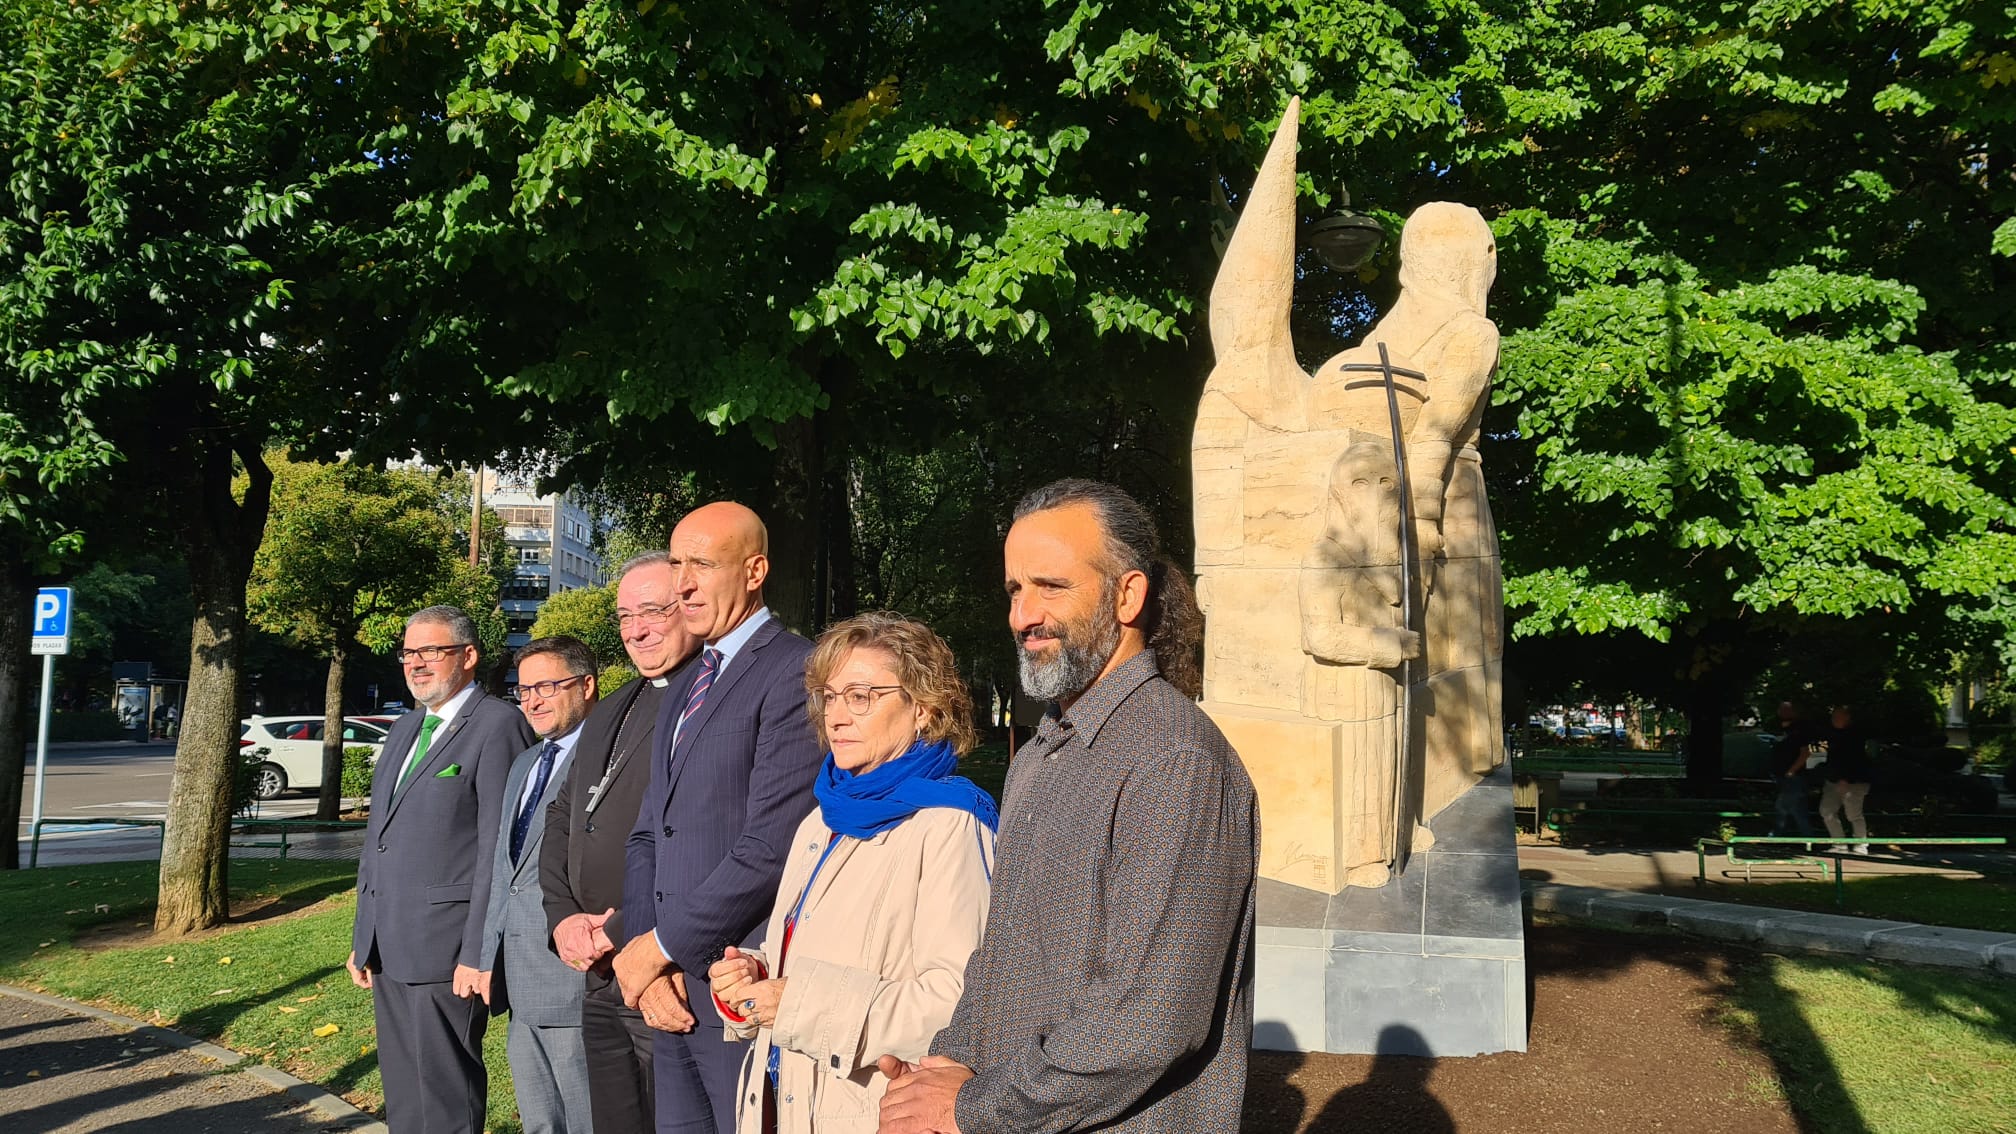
551,537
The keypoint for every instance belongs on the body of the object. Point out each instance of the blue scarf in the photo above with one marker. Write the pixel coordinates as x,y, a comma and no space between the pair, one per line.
868,804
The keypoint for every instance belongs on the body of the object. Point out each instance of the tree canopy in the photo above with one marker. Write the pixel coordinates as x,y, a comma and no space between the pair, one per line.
880,268
349,551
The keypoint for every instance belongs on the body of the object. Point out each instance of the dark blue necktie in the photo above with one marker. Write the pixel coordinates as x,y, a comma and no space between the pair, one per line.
540,774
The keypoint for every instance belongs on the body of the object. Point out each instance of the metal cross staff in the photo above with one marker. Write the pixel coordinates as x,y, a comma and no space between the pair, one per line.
1403,780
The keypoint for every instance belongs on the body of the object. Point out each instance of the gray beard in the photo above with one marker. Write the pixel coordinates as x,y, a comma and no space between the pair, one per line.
1081,654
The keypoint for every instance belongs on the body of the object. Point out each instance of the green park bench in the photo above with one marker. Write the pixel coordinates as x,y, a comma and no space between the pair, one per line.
1733,844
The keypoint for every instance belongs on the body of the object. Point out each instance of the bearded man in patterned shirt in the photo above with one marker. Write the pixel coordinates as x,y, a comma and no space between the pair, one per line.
1114,987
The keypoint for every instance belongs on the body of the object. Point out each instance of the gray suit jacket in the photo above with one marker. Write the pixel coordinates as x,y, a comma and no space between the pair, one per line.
526,979
423,881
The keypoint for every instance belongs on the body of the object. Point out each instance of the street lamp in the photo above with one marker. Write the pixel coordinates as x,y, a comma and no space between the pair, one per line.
1348,239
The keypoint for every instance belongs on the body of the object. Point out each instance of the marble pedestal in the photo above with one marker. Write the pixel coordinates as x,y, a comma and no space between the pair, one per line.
1433,963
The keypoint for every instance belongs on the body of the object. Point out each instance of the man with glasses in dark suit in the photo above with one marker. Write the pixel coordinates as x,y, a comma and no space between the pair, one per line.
587,826
423,882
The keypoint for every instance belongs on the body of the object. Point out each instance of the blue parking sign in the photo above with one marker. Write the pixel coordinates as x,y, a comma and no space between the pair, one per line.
51,623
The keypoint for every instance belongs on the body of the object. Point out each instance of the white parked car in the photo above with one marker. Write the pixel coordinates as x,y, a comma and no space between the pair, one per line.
291,750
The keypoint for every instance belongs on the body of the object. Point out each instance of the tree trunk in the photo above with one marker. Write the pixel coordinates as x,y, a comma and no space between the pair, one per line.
843,598
794,544
1704,733
218,537
17,591
330,803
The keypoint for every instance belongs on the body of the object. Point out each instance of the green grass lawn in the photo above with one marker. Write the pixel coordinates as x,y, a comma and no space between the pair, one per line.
1883,1049
271,987
1931,899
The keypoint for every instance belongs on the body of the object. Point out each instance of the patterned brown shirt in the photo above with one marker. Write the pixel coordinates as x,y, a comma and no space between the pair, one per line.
1114,987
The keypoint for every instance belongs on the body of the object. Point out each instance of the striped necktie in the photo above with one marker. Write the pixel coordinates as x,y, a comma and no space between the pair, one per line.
710,665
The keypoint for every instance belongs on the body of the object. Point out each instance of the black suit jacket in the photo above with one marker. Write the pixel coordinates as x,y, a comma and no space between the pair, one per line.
423,880
717,821
581,856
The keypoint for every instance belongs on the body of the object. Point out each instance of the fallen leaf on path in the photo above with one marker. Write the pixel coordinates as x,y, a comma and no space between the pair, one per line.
169,959
222,991
306,999
327,1030
288,1008
223,960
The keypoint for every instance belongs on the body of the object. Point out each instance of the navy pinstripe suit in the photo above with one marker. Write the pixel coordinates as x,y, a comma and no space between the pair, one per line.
708,849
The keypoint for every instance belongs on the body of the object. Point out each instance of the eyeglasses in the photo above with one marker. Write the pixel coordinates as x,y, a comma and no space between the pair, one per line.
543,689
859,699
645,616
428,654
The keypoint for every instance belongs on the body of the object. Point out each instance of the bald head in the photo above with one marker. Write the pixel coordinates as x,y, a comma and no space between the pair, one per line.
720,555
727,520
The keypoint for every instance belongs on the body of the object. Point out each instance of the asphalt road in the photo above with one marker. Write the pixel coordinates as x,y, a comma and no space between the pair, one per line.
102,782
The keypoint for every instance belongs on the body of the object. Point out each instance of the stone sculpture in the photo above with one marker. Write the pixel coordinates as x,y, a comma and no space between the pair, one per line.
1357,725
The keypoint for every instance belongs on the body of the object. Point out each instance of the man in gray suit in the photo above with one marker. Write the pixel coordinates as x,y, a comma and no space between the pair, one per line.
549,1062
423,882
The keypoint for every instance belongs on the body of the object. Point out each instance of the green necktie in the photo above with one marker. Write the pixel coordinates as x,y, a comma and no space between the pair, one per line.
427,728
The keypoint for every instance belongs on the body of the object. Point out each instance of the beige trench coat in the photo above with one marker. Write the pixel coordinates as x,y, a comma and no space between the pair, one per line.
876,965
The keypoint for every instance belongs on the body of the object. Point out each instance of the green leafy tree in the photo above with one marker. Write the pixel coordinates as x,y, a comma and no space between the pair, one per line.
221,235
1718,472
347,547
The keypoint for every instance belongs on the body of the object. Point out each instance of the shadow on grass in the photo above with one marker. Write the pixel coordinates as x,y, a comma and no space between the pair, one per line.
350,1076
294,899
215,1019
55,904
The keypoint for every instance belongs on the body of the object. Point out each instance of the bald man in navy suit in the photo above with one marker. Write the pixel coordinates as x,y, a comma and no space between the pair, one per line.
734,762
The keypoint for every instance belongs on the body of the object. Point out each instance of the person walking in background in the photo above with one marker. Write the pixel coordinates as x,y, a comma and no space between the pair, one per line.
884,895
549,1064
423,883
1847,781
732,769
581,860
1790,815
1113,989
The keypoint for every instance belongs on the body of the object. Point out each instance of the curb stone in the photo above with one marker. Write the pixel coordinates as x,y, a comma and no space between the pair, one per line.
1797,931
329,1106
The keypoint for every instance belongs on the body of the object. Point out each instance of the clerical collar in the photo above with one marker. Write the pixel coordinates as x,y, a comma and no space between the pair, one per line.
659,682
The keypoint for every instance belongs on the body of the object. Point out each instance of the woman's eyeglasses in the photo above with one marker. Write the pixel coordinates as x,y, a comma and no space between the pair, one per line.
859,699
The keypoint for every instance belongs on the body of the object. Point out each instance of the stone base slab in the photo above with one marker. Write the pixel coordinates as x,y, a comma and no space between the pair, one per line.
1434,963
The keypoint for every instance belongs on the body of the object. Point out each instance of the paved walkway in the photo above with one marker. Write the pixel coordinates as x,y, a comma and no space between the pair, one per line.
67,1068
1673,871
1789,930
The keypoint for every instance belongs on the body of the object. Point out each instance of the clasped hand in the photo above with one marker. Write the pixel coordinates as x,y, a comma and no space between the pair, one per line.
653,985
582,939
738,982
922,1097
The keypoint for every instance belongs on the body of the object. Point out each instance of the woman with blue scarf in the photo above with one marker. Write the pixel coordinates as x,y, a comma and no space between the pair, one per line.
884,893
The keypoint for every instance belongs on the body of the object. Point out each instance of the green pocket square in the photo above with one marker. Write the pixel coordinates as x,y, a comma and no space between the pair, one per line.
449,771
